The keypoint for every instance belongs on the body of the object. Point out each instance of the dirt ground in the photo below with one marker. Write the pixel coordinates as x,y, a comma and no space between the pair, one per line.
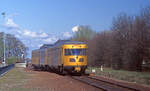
46,81
19,79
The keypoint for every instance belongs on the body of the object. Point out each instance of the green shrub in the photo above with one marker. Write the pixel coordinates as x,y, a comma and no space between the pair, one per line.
131,76
12,60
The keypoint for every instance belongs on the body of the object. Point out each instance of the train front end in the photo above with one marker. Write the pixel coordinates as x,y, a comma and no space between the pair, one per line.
75,57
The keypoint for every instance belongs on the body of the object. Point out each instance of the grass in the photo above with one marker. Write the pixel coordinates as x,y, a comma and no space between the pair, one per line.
131,76
12,60
14,80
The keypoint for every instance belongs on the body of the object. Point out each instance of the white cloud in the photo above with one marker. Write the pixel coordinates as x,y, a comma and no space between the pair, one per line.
47,40
43,35
75,28
30,33
67,34
50,40
9,23
17,35
32,45
33,39
19,31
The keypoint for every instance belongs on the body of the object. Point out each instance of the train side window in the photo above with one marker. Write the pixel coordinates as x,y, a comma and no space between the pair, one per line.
67,52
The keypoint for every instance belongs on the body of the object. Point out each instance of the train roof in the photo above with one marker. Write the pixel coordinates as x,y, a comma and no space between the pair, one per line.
62,42
58,43
46,46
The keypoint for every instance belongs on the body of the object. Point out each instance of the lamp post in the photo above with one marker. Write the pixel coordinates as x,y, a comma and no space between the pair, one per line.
4,61
4,49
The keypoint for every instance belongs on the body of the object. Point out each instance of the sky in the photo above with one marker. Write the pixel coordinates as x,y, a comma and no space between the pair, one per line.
37,22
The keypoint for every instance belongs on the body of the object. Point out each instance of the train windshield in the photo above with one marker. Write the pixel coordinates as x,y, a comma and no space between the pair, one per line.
75,52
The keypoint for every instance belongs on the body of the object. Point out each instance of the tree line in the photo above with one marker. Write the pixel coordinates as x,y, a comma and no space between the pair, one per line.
125,46
14,48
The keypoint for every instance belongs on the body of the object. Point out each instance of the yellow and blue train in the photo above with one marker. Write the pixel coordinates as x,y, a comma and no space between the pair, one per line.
62,56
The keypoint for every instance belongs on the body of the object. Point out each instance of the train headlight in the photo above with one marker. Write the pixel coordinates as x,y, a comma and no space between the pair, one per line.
72,60
81,59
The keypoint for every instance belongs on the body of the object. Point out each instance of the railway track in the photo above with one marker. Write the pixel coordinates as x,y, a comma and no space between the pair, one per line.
5,69
104,85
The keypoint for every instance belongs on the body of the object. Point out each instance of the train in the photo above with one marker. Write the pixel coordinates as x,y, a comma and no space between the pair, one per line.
62,56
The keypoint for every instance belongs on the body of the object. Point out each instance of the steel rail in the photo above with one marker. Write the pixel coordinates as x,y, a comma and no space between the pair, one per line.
123,86
101,84
4,70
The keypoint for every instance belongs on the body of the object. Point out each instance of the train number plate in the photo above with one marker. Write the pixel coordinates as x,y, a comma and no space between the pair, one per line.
77,68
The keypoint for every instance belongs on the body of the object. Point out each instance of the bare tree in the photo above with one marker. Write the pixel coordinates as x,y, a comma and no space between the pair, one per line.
14,47
125,46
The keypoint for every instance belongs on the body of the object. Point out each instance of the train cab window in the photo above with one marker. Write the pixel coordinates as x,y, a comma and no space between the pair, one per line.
75,52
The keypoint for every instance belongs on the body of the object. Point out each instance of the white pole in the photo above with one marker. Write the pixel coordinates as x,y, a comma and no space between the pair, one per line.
3,14
4,50
101,67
